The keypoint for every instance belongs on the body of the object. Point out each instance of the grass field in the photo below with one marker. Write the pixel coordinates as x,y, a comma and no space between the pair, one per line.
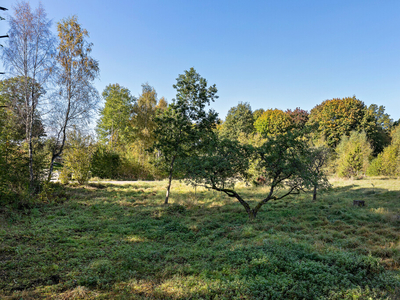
107,241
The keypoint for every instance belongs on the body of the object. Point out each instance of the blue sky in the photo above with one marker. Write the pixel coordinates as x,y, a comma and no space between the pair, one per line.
272,54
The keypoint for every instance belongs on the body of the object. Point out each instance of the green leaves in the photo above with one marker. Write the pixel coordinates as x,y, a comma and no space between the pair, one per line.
353,155
185,126
118,102
77,156
273,122
223,163
281,161
338,117
239,120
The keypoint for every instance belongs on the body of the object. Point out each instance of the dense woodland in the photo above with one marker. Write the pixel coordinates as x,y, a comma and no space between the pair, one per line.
48,105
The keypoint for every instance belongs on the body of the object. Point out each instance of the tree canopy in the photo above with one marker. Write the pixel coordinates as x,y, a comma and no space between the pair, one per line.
114,125
338,117
281,161
185,123
272,122
238,120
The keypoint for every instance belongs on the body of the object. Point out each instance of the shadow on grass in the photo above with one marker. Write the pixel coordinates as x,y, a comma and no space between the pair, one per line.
121,240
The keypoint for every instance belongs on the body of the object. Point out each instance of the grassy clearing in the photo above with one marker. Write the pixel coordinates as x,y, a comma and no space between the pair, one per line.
118,242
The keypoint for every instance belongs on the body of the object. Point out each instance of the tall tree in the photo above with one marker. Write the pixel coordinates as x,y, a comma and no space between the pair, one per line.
12,97
114,125
185,124
299,117
143,121
145,110
29,54
273,122
238,120
76,98
379,134
338,117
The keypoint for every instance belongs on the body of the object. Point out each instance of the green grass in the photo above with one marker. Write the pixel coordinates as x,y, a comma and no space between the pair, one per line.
119,242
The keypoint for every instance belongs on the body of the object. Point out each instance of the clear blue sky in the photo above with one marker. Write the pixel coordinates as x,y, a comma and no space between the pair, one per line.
272,54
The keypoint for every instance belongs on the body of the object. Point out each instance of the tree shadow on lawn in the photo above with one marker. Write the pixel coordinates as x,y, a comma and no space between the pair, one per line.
124,239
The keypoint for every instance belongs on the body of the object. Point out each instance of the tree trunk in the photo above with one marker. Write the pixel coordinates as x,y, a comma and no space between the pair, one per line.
30,129
62,131
51,168
169,180
31,175
315,193
252,214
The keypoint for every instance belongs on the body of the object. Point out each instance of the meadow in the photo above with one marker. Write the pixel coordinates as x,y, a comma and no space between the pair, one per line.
109,241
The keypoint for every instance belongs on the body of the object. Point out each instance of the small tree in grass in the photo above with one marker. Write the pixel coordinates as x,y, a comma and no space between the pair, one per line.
317,160
185,123
282,161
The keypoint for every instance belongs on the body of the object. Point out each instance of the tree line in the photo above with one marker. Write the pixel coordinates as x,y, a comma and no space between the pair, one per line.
49,100
290,151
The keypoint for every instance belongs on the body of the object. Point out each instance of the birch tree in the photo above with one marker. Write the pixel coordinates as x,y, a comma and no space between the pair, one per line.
76,99
28,54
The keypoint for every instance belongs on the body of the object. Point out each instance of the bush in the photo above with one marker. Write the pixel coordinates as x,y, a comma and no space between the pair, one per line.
353,155
105,163
388,162
65,176
77,157
14,174
375,167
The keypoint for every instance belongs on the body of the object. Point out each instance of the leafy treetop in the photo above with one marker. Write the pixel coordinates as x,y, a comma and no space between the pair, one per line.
239,120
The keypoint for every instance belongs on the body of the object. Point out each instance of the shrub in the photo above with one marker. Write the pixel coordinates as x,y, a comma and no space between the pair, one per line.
14,173
353,155
77,157
105,163
390,160
375,167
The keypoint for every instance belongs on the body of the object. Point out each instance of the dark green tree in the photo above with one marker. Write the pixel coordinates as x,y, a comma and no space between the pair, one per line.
185,124
12,93
238,120
379,134
14,152
280,160
105,162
